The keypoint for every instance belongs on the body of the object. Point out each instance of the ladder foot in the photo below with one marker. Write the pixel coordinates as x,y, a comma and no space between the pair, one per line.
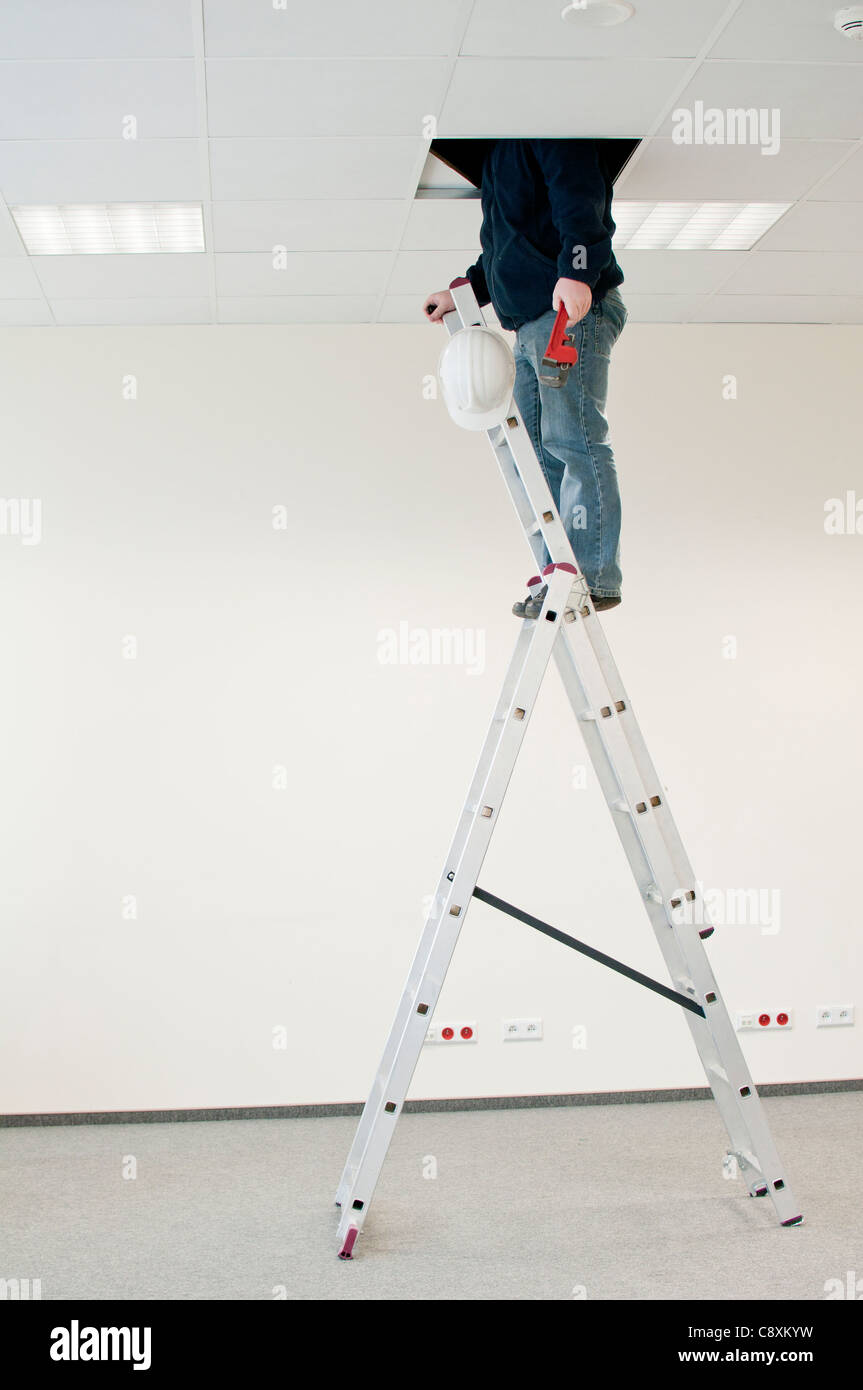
346,1252
793,1221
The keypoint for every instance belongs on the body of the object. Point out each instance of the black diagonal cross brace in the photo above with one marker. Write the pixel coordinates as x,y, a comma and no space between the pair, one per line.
672,994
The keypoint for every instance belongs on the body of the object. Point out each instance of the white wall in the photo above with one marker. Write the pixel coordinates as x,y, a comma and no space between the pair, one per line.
301,907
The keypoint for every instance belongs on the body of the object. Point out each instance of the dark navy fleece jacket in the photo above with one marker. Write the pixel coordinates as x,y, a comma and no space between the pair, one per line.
546,214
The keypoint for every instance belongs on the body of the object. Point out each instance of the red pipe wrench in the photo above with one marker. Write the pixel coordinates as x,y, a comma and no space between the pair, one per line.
560,353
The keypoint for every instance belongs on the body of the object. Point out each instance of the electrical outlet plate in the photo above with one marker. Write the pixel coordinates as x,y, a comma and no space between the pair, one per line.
834,1015
450,1033
521,1029
763,1020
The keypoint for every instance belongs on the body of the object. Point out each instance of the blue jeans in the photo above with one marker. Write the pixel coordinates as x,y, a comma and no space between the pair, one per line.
569,432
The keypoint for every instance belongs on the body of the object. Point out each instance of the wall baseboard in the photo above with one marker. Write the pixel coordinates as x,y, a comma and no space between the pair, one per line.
300,1112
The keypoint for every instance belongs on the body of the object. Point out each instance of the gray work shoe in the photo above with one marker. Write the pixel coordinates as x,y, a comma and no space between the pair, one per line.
531,607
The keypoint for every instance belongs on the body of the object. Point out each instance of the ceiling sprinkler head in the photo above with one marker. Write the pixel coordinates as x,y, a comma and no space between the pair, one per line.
850,21
597,14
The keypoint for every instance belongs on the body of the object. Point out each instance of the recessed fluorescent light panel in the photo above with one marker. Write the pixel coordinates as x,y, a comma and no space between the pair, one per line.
103,229
692,226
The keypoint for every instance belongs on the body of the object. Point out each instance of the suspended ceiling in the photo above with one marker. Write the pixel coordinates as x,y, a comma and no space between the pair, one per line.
309,127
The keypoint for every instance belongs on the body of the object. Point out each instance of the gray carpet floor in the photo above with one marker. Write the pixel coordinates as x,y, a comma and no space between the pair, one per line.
603,1202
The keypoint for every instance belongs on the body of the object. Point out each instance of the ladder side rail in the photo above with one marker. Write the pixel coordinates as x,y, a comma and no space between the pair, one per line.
644,870
741,1108
524,475
391,1088
524,509
512,438
615,720
687,962
644,874
467,313
642,757
518,496
511,680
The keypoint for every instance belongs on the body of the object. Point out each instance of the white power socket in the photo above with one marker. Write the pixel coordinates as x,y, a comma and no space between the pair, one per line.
464,1032
522,1029
761,1021
834,1015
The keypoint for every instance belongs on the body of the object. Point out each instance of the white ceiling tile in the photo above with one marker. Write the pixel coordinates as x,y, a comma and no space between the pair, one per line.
309,225
337,167
490,97
817,227
662,169
815,101
117,311
677,272
101,171
341,28
17,312
798,272
306,273
97,29
313,97
91,101
10,242
796,30
443,224
746,308
299,309
846,184
17,278
404,308
167,276
659,308
521,29
423,272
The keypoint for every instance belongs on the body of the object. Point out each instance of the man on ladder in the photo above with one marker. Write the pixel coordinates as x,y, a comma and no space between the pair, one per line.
546,241
478,375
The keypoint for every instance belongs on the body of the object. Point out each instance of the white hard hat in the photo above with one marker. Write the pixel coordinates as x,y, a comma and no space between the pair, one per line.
477,374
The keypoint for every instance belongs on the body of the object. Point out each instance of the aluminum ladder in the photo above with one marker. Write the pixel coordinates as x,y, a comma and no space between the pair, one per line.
568,629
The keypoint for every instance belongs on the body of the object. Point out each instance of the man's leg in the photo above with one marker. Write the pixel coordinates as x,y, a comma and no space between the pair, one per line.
573,433
526,393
